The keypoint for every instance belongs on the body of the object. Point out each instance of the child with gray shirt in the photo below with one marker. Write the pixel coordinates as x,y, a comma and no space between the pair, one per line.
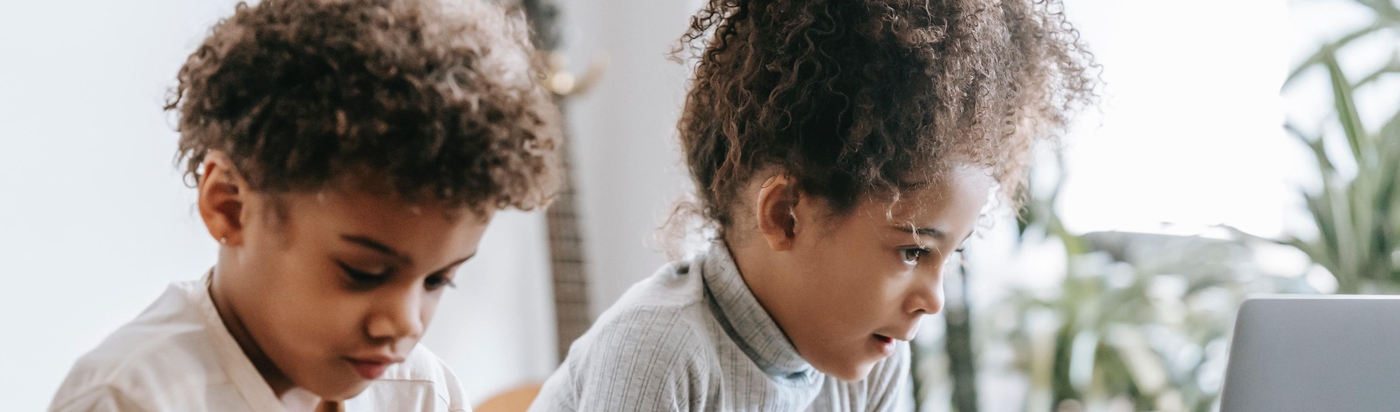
842,152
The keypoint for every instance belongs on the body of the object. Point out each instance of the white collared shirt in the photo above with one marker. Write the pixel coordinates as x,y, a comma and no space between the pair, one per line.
178,356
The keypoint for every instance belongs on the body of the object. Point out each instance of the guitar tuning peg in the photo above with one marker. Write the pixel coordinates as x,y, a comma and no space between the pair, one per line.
564,84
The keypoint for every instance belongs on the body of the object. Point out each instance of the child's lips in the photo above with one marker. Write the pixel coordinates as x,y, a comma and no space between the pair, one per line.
371,368
903,333
883,344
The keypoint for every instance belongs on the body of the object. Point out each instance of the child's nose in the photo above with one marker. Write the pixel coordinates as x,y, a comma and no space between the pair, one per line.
397,318
926,298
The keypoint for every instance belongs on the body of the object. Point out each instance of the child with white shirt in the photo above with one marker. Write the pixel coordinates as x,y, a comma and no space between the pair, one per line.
842,151
348,156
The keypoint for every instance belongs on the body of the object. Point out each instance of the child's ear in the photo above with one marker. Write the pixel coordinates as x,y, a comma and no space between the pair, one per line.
222,194
777,211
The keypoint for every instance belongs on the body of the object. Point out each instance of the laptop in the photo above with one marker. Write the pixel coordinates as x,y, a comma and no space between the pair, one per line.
1314,353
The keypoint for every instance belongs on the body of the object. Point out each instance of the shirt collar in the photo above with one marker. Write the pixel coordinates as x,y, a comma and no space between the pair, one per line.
239,369
745,320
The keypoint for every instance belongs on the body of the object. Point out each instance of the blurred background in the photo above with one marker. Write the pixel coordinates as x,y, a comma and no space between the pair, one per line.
1243,146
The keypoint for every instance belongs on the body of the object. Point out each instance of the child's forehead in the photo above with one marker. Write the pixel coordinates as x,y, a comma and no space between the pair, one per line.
934,198
941,213
353,202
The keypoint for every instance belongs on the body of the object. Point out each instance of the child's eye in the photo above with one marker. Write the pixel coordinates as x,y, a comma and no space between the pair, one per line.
436,282
362,277
911,256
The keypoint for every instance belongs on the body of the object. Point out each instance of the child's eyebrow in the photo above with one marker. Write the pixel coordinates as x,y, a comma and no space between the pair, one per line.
921,231
457,262
927,231
378,247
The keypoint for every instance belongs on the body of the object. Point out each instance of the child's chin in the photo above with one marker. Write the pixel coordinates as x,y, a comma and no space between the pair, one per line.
849,371
342,390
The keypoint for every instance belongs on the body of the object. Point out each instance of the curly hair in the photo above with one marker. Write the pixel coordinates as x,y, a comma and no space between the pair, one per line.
427,100
854,98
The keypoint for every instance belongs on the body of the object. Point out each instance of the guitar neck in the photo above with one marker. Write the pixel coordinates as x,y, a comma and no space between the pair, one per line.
567,264
565,242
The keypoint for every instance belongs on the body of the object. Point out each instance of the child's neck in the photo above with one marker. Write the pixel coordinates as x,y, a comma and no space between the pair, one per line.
755,269
274,377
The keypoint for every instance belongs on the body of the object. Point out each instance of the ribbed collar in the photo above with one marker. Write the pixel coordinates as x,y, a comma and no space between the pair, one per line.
747,323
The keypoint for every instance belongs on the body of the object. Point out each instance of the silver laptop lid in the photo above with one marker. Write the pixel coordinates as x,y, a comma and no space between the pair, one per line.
1315,353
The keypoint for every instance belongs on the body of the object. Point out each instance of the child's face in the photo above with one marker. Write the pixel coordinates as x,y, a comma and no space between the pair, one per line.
865,279
340,285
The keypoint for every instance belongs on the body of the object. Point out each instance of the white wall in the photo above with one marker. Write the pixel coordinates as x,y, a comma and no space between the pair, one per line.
626,155
1190,131
94,221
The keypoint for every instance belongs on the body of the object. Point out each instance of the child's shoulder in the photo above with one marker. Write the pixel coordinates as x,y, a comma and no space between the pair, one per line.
170,333
655,348
672,300
674,287
166,346
664,315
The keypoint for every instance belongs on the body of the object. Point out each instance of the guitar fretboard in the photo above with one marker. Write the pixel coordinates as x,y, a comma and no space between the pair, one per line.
566,257
565,242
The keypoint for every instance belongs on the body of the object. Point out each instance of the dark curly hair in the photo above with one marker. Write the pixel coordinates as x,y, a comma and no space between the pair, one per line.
854,98
427,100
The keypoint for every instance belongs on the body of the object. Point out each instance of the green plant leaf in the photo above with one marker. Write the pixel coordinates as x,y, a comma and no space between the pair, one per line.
1346,244
1329,50
1319,253
1346,111
1316,144
1327,234
1391,67
1384,9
